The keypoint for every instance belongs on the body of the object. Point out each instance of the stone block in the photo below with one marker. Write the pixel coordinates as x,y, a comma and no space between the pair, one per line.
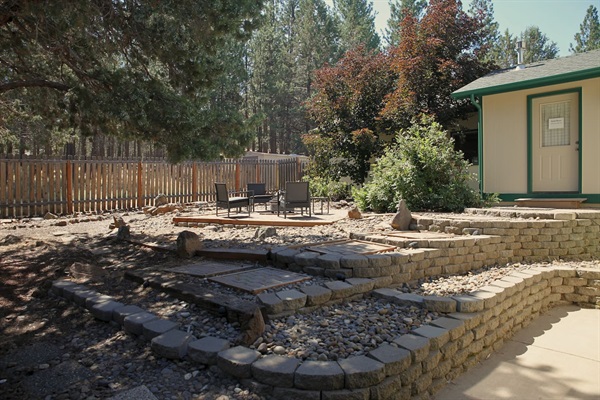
362,372
408,299
237,361
316,295
134,323
80,296
275,370
455,327
157,327
388,389
59,286
329,261
68,291
341,290
379,260
172,344
468,304
417,345
395,359
104,310
431,362
354,261
437,336
271,302
292,299
306,258
319,375
489,299
362,285
205,350
439,304
100,298
120,313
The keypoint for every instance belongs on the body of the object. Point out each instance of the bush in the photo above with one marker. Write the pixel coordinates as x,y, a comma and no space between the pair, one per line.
422,168
321,187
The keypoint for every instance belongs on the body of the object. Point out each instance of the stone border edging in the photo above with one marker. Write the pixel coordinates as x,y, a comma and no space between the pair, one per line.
423,361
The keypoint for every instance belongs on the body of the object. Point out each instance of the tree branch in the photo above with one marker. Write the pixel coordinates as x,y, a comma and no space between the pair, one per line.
33,83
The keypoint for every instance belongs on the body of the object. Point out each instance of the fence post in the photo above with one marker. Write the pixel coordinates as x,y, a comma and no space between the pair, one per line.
140,186
298,168
238,176
257,171
69,168
194,182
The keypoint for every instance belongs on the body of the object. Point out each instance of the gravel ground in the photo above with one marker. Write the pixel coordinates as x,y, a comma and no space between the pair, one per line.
43,336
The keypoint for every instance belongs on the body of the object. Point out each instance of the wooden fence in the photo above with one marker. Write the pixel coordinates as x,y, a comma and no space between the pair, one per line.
33,186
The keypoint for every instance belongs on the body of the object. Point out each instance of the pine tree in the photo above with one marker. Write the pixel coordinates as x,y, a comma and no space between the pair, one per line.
503,53
538,46
483,10
398,10
588,37
357,24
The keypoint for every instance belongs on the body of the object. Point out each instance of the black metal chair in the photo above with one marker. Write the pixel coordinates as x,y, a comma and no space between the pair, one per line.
297,195
224,201
258,192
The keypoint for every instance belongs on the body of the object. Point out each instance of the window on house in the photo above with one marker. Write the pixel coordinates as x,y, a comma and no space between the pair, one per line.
556,121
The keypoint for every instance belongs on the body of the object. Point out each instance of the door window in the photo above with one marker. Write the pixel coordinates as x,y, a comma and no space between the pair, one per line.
556,122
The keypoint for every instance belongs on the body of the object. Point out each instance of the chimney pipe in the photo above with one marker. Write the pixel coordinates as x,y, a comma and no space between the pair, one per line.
520,50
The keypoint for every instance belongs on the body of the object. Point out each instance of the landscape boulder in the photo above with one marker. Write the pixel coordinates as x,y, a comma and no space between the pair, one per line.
401,221
354,213
160,200
188,243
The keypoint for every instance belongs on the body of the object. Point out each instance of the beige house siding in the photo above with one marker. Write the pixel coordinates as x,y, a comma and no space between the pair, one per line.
505,137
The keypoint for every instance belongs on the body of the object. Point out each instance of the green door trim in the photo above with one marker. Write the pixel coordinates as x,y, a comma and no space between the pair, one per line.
530,99
478,103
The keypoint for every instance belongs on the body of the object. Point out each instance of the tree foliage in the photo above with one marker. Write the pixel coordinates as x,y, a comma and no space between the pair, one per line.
357,24
422,168
398,10
588,37
140,69
436,56
538,46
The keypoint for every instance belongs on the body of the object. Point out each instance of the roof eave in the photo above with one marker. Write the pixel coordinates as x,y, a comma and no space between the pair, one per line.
528,84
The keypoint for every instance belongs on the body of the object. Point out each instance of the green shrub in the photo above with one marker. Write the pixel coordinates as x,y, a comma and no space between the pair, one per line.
423,168
321,187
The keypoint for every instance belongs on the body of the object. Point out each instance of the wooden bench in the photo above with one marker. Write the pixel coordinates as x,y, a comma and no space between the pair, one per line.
550,203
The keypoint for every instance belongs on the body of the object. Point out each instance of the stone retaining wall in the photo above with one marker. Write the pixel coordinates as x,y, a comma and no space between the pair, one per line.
417,364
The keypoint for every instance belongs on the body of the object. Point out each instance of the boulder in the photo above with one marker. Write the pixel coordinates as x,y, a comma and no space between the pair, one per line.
401,220
354,213
119,221
188,243
265,232
160,200
49,215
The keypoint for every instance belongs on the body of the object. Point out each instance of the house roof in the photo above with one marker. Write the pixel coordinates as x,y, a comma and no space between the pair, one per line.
548,72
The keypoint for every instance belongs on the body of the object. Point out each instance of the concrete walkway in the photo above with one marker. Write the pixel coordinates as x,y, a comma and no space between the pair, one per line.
556,357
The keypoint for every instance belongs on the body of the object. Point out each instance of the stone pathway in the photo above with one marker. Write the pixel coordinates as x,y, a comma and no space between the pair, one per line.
206,269
259,280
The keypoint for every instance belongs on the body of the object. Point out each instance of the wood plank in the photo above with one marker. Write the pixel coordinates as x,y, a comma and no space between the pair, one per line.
233,221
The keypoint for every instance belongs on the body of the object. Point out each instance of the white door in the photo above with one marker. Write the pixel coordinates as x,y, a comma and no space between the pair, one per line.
555,143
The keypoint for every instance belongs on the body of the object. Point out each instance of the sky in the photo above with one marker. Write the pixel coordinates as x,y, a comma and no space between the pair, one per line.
559,20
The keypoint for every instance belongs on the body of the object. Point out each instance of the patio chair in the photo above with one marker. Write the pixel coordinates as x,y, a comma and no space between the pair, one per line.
296,195
258,192
224,201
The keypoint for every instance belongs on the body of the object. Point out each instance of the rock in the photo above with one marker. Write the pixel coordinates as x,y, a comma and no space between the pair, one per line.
279,350
263,233
188,243
401,221
253,328
49,215
160,200
123,233
354,213
119,221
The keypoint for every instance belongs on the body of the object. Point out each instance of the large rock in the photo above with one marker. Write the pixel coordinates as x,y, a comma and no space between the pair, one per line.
354,213
188,243
401,220
160,200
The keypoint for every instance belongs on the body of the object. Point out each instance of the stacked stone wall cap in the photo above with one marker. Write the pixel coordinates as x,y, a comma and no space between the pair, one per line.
280,393
205,350
58,286
417,345
329,261
437,336
306,258
379,260
237,361
455,327
316,294
565,216
286,256
319,375
157,327
362,372
80,296
439,304
104,310
292,299
172,344
408,299
361,284
468,304
100,298
275,370
271,302
354,261
134,323
394,358
120,313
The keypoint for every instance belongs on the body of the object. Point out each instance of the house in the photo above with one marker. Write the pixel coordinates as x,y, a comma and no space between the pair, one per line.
539,129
